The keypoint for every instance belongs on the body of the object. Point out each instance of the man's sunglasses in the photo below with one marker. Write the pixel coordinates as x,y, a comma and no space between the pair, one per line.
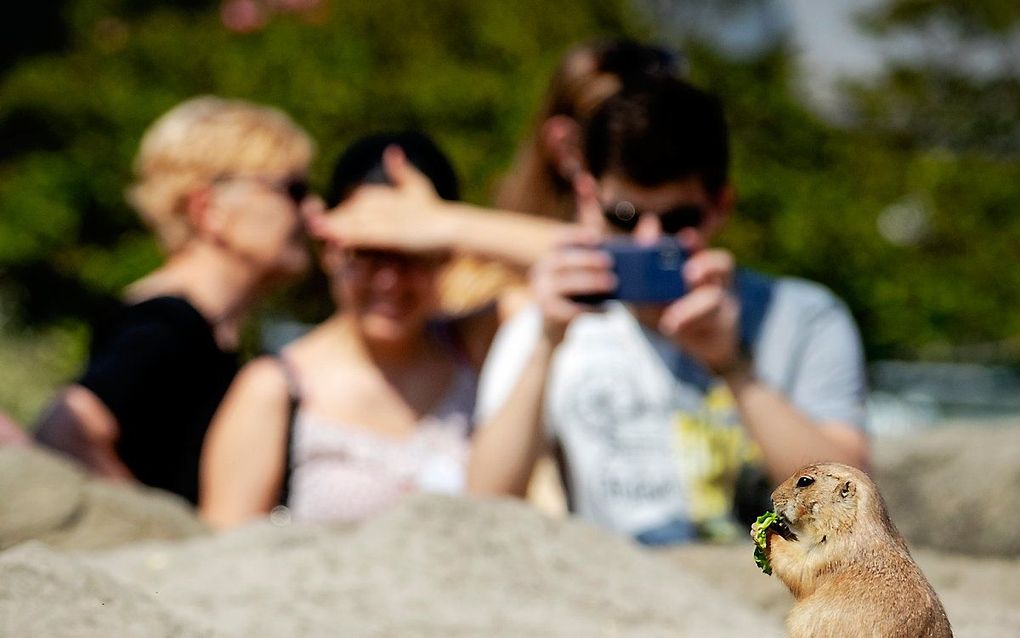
625,216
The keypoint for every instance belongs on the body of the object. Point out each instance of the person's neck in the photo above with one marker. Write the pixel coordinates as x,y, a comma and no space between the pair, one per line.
221,288
391,354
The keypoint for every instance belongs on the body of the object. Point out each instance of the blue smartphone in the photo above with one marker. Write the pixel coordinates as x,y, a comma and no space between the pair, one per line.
645,273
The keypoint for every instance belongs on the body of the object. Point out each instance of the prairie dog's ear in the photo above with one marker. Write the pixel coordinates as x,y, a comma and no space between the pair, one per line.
847,490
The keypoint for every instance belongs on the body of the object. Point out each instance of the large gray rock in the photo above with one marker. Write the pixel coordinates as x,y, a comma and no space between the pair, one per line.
459,567
435,566
45,593
39,493
48,498
954,488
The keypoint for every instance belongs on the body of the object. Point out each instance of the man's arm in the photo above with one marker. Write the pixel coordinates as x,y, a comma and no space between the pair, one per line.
789,439
80,425
705,323
510,437
827,392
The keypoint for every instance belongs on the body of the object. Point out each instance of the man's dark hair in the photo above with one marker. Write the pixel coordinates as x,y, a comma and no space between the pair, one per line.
658,131
362,163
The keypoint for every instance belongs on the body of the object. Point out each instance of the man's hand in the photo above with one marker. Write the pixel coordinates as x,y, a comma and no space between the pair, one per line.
575,267
706,321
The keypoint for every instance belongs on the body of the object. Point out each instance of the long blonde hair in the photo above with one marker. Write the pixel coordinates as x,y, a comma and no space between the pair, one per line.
587,75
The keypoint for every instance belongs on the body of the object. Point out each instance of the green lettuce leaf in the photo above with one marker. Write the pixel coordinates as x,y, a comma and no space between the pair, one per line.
758,533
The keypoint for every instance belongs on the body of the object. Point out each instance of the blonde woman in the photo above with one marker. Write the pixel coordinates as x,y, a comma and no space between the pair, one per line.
219,182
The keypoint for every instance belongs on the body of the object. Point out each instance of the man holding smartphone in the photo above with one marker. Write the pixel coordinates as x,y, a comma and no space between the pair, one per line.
655,407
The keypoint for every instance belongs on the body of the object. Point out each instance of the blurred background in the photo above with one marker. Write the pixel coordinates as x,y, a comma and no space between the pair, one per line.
876,147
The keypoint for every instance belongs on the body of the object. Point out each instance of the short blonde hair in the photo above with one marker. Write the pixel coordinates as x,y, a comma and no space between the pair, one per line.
200,140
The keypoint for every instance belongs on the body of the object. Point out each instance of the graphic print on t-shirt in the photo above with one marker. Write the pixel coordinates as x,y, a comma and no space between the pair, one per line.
620,441
712,447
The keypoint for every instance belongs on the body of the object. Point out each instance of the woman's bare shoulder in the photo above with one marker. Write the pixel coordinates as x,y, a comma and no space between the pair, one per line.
263,377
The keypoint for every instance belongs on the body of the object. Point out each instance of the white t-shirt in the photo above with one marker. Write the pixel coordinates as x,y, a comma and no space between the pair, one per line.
651,440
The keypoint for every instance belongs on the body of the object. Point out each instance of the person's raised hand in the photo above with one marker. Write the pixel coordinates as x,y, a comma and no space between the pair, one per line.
405,177
588,207
406,216
705,322
574,267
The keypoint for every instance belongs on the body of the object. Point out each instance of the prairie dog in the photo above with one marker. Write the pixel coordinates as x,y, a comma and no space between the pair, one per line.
845,563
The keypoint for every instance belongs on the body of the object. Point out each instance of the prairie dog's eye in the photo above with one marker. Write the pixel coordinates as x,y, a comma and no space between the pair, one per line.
804,481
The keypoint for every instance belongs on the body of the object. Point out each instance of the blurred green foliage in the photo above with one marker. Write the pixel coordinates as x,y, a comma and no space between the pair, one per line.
908,211
33,362
74,104
918,234
467,71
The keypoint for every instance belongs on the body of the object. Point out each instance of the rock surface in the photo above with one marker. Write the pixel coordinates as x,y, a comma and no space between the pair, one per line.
432,566
123,561
47,498
955,488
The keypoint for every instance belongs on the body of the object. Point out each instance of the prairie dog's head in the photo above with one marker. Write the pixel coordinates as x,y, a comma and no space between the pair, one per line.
826,499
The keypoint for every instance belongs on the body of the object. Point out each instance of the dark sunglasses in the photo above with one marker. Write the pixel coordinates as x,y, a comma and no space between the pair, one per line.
376,258
296,189
625,216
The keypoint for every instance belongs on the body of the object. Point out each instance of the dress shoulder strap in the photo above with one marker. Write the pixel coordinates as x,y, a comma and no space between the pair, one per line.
293,403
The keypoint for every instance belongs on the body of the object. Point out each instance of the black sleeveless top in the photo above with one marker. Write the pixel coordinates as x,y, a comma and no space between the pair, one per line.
158,369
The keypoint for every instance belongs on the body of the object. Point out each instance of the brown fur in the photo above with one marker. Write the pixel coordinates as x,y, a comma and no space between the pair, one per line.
848,568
